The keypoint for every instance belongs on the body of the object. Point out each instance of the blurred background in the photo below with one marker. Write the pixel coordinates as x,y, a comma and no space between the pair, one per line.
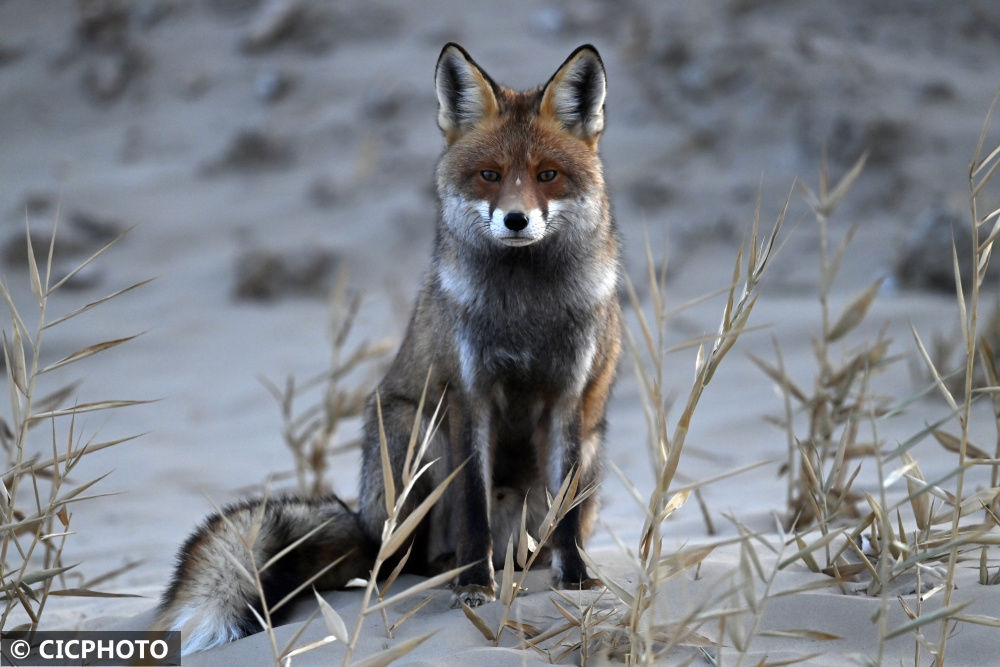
258,148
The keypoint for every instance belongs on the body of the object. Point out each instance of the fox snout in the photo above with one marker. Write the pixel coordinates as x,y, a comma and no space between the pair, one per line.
515,221
517,226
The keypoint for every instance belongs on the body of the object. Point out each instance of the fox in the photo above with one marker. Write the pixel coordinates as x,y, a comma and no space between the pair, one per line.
517,328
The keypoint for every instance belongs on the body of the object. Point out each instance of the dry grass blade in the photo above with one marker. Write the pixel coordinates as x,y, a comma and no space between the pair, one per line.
391,579
826,279
978,619
953,444
549,521
632,490
676,502
414,432
478,622
933,487
36,576
87,352
987,160
917,438
409,614
809,548
390,655
526,544
899,473
647,335
831,200
919,503
334,623
88,593
36,280
995,232
33,467
944,613
294,545
56,398
572,618
298,590
94,304
85,407
287,652
17,366
976,165
981,499
783,381
939,382
388,482
610,583
674,564
693,486
286,657
507,589
855,312
985,179
80,267
963,315
12,309
527,630
790,661
812,635
424,585
260,619
535,642
403,531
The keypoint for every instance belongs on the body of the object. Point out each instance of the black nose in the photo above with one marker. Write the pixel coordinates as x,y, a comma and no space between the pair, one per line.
515,221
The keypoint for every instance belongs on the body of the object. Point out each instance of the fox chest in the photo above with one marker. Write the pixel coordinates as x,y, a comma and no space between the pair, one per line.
541,348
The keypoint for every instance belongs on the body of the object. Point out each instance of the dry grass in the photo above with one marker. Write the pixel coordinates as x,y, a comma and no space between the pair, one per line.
981,171
42,446
878,539
396,534
889,542
312,434
634,632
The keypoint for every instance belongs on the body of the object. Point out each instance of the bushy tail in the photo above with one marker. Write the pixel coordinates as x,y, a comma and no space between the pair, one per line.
210,597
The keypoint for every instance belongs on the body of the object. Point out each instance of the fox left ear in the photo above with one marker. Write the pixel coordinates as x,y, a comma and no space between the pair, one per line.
466,94
575,94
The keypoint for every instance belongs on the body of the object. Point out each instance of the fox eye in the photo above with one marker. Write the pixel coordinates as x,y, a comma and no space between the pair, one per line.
546,176
490,175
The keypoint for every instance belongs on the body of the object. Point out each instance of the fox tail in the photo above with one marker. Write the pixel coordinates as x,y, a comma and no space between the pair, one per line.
214,591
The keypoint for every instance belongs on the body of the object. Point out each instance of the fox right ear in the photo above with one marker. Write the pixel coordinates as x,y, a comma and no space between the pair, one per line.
575,94
465,93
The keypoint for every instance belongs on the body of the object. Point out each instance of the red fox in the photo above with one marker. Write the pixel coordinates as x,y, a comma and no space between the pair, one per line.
517,327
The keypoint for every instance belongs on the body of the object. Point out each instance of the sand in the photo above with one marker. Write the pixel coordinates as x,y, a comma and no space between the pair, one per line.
219,141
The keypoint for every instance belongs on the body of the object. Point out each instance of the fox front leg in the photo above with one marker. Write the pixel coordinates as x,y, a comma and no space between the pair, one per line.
570,454
470,438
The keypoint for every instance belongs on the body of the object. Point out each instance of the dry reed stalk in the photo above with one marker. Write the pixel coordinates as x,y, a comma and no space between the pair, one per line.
26,583
639,626
969,314
311,434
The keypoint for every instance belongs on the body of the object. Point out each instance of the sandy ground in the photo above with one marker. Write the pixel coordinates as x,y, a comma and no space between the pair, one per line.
317,144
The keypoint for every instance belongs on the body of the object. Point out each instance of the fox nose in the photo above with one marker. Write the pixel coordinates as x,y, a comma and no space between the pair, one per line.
515,221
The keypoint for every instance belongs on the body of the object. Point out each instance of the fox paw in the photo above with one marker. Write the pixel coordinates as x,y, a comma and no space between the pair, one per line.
472,595
584,584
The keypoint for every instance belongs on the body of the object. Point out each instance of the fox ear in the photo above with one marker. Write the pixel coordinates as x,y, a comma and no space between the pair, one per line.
575,94
465,92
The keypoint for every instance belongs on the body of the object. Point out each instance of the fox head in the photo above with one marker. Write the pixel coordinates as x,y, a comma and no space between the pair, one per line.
521,167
